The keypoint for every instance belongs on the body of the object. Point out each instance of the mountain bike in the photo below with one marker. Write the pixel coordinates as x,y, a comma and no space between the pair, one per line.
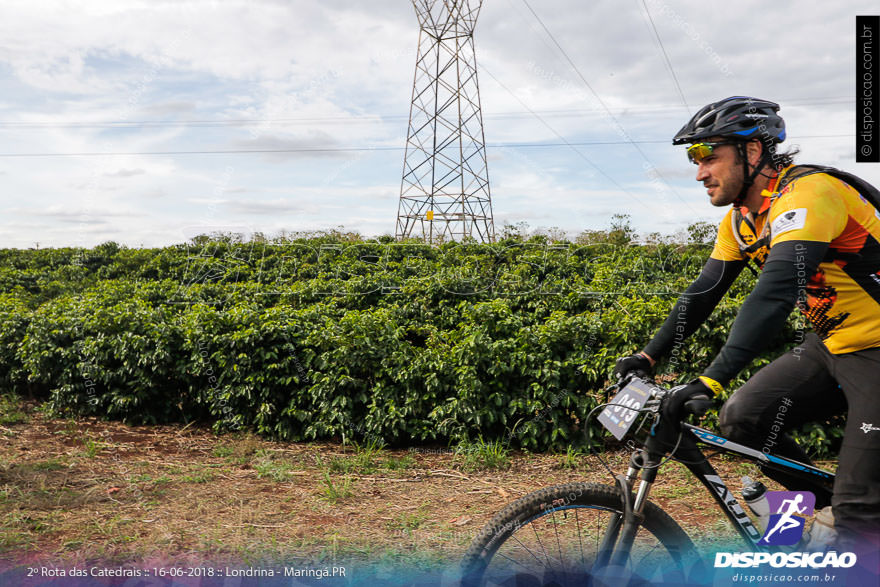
589,533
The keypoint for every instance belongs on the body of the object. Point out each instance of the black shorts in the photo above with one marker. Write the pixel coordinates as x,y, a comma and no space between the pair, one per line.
809,384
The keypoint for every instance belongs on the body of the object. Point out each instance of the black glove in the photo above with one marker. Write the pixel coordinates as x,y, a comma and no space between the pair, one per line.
638,363
695,394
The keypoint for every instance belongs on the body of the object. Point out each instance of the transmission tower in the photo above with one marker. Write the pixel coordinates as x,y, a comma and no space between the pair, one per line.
445,189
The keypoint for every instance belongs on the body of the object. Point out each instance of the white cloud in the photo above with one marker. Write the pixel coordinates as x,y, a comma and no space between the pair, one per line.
125,173
267,207
315,143
336,73
170,108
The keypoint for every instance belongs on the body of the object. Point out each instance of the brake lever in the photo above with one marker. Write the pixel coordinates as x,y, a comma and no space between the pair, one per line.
626,379
652,405
614,386
698,405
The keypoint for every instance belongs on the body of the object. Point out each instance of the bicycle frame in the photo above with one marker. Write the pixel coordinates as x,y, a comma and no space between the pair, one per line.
680,441
691,456
619,536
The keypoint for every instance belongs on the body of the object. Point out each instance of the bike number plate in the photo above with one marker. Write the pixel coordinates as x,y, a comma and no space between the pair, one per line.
620,414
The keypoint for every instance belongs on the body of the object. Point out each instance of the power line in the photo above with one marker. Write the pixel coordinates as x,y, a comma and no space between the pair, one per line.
370,119
564,143
611,116
666,57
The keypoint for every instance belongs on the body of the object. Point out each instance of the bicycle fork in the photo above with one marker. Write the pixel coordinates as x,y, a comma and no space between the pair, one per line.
621,532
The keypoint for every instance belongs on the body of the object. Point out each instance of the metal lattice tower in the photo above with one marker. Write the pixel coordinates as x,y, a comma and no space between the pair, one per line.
445,189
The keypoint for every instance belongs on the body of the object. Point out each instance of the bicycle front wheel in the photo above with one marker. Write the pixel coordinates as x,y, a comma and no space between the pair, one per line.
560,536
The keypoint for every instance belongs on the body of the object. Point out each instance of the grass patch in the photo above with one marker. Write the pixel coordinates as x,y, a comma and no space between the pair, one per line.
198,476
333,492
341,465
91,448
10,410
19,529
223,451
366,455
407,522
242,451
268,467
482,456
11,539
570,459
71,428
53,464
366,460
403,463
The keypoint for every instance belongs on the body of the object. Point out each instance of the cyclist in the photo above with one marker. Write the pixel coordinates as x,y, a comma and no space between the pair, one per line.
817,243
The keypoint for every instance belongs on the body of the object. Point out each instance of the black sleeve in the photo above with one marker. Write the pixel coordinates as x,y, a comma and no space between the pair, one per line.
785,276
694,305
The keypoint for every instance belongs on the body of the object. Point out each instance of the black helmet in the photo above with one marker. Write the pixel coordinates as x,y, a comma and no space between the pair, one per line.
737,117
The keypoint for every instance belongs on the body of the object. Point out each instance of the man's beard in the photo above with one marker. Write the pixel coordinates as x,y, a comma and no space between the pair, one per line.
726,193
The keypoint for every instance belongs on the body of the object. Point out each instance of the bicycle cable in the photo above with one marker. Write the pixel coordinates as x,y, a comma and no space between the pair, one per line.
705,458
586,429
639,410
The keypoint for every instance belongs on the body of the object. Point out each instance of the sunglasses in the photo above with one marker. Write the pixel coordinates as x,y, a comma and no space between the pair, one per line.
699,151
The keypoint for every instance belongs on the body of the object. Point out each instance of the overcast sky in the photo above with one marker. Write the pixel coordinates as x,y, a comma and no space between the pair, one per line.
134,85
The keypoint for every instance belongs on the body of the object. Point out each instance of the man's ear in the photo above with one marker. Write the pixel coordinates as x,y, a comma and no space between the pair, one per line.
754,150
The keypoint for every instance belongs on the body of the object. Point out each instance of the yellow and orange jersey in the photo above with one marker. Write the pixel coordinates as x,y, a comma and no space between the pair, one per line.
842,298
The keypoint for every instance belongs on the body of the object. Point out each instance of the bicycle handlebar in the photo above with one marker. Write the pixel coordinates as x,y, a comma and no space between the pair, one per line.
697,405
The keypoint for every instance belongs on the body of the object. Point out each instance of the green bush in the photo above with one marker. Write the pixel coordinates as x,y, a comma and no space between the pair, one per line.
331,336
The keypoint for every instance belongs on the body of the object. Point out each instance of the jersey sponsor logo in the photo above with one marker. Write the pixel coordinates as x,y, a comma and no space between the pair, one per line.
791,220
786,526
869,428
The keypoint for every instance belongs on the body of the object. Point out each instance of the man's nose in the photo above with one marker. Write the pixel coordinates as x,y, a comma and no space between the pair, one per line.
702,172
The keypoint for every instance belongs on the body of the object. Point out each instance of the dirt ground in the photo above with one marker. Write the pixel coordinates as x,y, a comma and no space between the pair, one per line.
78,490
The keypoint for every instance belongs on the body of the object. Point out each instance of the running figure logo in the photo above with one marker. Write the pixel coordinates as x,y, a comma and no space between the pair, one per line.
787,525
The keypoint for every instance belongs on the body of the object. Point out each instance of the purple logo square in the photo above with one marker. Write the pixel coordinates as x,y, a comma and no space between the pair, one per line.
804,502
782,532
787,511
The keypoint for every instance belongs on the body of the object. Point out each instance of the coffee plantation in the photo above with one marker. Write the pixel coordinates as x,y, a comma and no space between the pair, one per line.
334,336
